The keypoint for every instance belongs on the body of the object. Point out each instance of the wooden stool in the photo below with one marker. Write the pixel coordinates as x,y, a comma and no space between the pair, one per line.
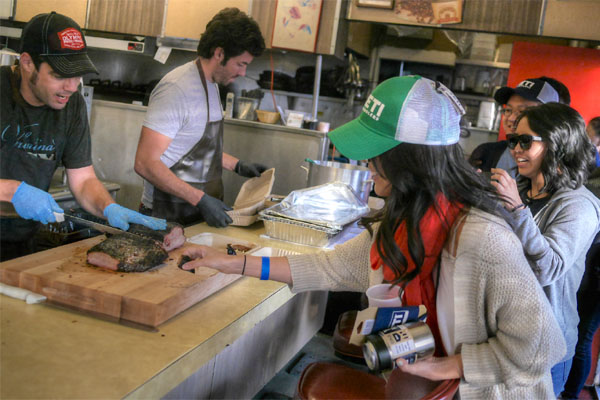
327,381
401,385
334,381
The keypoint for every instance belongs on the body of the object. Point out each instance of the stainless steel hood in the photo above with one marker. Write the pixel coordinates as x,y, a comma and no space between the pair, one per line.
134,46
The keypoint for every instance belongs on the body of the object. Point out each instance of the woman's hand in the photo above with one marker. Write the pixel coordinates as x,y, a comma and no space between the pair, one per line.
434,368
506,187
204,256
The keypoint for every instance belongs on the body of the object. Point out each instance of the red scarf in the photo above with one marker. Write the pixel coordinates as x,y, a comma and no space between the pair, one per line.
421,289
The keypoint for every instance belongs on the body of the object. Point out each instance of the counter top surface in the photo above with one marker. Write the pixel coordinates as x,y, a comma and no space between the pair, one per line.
49,352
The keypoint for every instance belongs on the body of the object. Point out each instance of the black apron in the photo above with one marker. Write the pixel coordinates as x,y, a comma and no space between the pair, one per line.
35,170
201,167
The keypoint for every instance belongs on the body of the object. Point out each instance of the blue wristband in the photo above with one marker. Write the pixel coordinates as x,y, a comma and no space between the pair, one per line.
266,269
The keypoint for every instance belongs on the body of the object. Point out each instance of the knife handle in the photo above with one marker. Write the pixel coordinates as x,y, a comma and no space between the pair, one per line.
60,217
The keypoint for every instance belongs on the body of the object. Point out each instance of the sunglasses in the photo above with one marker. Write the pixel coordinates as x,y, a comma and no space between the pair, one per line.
524,140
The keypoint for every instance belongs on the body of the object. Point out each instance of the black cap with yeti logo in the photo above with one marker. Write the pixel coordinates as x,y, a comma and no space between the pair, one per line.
530,89
58,40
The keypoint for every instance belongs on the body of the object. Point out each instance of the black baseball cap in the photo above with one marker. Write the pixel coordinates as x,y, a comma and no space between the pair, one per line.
530,89
58,40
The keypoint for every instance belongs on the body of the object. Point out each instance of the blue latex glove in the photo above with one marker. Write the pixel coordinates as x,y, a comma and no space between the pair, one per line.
33,203
120,217
248,169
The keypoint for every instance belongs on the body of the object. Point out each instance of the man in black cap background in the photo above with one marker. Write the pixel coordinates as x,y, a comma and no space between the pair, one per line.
43,123
528,93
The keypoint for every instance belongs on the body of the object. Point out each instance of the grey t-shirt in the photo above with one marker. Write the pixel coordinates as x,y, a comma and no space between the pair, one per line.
177,109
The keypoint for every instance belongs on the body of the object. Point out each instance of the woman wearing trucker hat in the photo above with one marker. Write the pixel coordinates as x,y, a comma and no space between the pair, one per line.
553,214
438,237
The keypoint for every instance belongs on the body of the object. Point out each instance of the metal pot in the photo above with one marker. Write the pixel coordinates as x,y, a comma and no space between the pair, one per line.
356,176
8,57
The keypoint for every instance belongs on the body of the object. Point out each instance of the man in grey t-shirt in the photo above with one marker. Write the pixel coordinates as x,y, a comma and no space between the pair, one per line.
180,152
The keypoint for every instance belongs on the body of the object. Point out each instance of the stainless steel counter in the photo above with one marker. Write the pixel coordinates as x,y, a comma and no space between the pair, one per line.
65,199
275,127
227,346
116,129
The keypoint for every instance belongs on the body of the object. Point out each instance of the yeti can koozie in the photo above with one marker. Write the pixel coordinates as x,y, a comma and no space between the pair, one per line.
410,341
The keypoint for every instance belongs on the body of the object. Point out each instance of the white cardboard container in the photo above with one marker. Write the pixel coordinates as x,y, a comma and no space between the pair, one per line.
251,198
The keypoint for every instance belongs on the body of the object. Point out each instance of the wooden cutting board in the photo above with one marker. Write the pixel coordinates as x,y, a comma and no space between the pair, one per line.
148,298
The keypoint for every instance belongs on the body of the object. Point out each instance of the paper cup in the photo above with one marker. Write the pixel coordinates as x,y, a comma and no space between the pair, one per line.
323,127
384,295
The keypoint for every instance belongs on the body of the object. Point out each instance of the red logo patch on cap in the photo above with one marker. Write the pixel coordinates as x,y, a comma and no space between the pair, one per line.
71,38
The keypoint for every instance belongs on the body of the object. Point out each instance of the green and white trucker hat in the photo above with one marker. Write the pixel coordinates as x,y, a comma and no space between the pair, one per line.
409,109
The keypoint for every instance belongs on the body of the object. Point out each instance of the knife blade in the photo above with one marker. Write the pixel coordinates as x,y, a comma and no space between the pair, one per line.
105,228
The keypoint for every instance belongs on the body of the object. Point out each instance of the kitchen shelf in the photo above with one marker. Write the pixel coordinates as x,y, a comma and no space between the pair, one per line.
473,96
483,63
305,95
482,130
435,57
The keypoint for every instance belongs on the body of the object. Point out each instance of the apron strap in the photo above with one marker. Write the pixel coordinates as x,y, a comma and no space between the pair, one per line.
203,79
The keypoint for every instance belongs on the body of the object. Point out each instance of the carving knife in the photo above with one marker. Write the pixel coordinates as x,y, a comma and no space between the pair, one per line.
105,228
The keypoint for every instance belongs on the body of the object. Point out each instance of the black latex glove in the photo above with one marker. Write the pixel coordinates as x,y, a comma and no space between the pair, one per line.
213,211
249,170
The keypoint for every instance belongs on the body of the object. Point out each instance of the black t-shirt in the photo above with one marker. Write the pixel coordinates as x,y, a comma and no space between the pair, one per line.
33,140
535,205
41,133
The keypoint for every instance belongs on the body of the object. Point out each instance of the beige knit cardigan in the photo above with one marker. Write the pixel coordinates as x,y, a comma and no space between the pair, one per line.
508,336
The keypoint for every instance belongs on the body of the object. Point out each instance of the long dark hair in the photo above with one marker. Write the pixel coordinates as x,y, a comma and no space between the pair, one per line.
418,173
569,153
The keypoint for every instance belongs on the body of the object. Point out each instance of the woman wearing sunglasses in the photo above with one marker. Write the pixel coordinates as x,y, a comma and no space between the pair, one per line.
553,214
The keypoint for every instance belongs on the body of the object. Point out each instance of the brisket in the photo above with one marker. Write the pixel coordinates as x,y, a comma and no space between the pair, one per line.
171,238
126,253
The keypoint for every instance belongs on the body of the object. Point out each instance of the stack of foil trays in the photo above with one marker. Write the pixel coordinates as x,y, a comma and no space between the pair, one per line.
313,215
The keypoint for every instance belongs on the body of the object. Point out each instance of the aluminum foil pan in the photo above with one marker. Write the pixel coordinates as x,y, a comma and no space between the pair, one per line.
331,205
296,231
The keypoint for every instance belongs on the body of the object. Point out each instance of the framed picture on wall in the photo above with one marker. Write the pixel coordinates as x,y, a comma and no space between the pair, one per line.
296,24
389,4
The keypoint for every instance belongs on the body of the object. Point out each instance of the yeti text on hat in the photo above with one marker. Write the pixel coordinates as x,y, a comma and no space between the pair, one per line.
408,109
530,89
58,40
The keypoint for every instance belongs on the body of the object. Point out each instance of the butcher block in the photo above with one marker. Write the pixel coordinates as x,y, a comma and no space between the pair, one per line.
149,298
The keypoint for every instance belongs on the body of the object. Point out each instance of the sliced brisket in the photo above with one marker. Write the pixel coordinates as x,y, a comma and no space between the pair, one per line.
171,238
126,253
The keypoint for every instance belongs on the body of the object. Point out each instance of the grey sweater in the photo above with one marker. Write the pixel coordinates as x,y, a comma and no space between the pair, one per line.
555,243
508,336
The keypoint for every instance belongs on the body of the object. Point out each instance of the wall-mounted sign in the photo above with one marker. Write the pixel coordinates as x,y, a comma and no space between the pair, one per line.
429,12
296,24
389,4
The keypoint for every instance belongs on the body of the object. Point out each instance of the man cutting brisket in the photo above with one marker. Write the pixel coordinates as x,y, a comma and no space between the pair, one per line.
43,122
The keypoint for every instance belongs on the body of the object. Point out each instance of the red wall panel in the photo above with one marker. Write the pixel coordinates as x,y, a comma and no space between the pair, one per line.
578,68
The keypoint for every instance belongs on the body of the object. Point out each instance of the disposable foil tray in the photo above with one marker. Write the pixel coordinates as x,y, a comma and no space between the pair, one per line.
332,205
297,231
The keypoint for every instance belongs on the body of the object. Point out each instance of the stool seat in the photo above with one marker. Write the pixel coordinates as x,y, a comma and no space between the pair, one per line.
322,380
327,381
407,386
341,338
